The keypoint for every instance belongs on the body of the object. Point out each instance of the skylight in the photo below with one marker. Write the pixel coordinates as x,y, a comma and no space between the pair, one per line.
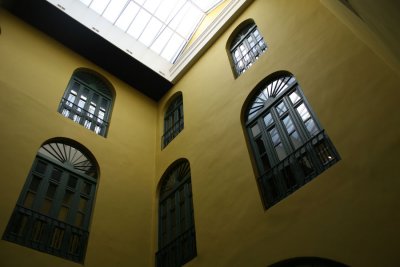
165,26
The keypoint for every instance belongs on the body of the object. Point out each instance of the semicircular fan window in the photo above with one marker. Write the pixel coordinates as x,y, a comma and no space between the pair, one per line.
174,178
271,90
69,156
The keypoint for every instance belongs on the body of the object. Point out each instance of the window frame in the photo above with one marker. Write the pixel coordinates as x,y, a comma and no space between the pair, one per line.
173,120
178,245
88,106
279,174
239,38
55,221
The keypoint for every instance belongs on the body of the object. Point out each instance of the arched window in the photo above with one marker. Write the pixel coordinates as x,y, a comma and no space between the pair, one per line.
289,145
88,101
176,232
173,120
308,262
245,46
54,208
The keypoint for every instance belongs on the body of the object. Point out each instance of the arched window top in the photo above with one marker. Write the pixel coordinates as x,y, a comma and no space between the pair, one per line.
308,262
268,89
174,103
70,155
240,32
244,46
174,176
94,81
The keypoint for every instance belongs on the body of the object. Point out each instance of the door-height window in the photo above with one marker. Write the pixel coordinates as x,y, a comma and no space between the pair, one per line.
245,46
173,120
88,101
289,145
53,211
176,231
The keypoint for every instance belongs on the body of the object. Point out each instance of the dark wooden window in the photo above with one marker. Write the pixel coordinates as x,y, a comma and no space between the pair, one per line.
53,211
246,47
289,145
87,101
173,120
176,232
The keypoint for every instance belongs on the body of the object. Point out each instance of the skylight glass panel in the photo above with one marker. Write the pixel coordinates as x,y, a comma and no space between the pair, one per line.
173,47
139,24
99,5
114,9
162,40
165,26
168,9
206,5
127,16
152,5
190,20
151,32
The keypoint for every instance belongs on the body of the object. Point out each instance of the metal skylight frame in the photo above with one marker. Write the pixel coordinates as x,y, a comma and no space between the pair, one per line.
164,26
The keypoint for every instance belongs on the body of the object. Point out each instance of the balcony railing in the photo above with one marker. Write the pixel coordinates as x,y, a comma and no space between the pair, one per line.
35,230
298,168
83,117
171,133
179,251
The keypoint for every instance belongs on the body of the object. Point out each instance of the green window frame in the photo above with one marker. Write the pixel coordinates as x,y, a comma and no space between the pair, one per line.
245,47
173,120
88,101
289,145
176,230
54,208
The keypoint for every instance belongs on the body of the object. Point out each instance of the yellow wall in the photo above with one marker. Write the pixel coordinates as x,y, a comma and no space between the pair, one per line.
34,72
349,213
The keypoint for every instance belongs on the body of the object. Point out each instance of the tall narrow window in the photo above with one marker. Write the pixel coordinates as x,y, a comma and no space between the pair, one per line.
88,101
289,145
54,208
176,232
173,120
245,46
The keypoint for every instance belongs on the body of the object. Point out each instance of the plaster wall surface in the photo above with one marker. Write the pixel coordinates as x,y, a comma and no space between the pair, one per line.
34,72
349,212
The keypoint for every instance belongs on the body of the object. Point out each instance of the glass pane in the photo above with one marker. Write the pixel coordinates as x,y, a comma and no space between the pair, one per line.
74,244
56,175
287,121
281,108
40,167
35,184
268,119
114,9
46,206
19,224
139,24
255,130
311,127
280,151
82,204
275,136
265,162
127,16
294,97
72,182
62,215
29,198
305,165
37,230
303,112
67,197
86,188
260,145
296,141
79,219
51,190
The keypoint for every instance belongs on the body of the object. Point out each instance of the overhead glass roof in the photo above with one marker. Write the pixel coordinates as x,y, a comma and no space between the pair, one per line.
164,26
